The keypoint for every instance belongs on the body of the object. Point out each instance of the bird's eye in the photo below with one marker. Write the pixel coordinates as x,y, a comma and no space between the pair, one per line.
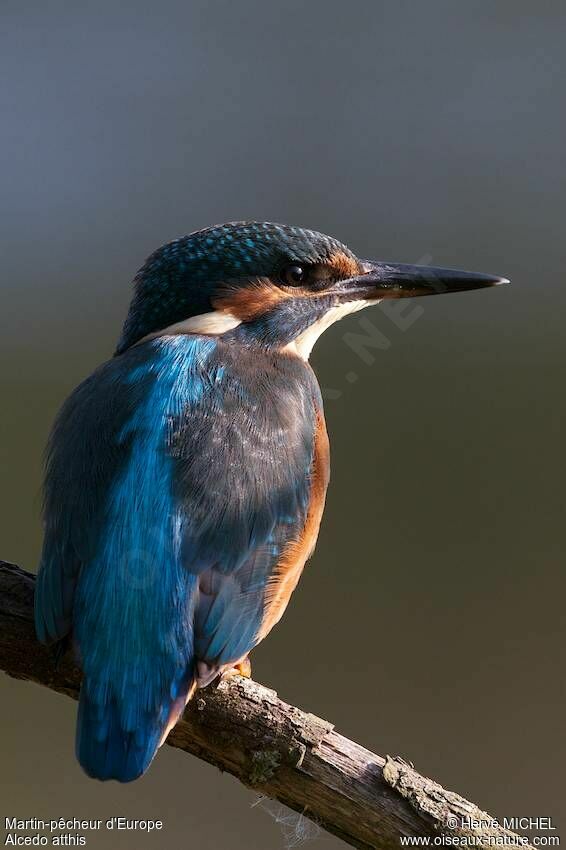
294,275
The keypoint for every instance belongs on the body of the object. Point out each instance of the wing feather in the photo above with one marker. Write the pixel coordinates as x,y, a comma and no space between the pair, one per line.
183,495
244,469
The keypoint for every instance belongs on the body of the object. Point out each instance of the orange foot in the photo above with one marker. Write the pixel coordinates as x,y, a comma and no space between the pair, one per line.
241,668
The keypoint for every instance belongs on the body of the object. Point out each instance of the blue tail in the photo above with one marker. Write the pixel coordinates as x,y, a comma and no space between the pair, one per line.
110,747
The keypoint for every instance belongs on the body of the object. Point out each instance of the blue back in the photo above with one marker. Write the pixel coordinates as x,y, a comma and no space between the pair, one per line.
177,474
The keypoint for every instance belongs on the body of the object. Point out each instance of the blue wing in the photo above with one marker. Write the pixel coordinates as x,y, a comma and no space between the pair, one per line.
170,496
243,459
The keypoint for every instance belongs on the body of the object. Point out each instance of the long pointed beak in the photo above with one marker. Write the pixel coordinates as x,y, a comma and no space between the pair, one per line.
398,280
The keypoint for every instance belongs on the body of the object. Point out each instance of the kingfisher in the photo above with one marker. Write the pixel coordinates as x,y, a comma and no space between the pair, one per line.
186,477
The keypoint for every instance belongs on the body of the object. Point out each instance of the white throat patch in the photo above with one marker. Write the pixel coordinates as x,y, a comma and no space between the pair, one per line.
303,344
217,322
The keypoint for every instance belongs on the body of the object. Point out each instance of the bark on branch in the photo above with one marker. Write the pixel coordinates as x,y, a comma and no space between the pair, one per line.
276,749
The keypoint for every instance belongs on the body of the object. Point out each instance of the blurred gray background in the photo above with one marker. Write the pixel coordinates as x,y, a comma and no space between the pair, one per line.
430,622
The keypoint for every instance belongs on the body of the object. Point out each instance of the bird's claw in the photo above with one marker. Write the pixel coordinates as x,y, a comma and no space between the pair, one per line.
241,668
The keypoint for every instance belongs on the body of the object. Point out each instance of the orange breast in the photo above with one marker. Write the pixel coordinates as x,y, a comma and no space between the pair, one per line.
297,552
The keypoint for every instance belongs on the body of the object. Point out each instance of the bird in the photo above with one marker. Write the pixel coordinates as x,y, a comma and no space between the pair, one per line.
186,477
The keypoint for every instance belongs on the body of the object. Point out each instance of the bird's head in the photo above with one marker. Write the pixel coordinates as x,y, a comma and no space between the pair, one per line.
269,284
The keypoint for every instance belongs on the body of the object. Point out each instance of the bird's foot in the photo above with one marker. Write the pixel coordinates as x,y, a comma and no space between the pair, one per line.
241,668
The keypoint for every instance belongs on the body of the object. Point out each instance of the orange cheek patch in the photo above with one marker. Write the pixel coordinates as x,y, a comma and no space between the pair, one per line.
343,265
252,301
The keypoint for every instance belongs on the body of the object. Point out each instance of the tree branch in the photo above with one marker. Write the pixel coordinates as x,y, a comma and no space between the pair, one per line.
274,748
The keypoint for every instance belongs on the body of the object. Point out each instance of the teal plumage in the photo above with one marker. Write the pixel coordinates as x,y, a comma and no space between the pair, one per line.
171,552
186,477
